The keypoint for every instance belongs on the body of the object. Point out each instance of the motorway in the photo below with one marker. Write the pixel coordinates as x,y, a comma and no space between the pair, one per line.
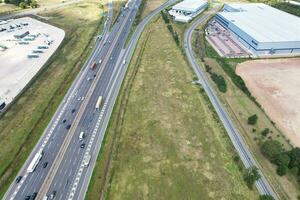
262,184
65,172
88,86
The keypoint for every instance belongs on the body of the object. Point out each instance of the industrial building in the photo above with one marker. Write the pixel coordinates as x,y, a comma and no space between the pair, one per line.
262,29
187,10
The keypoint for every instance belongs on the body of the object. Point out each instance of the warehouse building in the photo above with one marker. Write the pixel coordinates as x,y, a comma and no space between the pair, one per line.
187,10
262,29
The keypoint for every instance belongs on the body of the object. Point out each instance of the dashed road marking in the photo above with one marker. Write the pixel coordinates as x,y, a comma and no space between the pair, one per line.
87,152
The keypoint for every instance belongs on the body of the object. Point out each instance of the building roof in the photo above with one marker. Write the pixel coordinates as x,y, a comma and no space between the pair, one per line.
263,23
189,5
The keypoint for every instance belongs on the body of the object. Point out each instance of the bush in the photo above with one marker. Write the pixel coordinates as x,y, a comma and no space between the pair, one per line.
22,5
252,119
271,148
165,17
287,7
220,82
251,175
265,197
265,132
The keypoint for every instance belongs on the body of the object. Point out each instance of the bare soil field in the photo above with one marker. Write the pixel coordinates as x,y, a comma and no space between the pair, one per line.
275,84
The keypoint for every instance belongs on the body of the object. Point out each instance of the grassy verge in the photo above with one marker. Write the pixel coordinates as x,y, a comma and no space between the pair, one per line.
24,122
287,7
169,145
240,105
8,8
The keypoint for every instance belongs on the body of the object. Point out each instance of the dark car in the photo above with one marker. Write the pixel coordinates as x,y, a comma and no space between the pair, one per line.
45,164
73,110
68,127
64,121
52,195
18,179
33,196
82,145
27,198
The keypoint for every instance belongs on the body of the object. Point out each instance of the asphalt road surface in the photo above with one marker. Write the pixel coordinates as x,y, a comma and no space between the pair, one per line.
262,184
67,175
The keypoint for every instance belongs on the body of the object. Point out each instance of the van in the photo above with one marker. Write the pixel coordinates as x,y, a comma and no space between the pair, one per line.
81,135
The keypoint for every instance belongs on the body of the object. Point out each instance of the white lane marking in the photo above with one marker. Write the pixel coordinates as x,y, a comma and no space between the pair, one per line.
50,132
87,152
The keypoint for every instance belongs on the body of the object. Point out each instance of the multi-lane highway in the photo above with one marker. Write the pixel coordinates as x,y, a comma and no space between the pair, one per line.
262,184
60,143
66,173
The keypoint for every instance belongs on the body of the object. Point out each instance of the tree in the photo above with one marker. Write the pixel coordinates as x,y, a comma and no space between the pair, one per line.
281,170
251,175
22,5
282,159
252,119
294,155
271,148
33,4
265,197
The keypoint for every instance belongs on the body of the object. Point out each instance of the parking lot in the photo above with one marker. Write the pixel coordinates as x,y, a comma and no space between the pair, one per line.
25,46
226,44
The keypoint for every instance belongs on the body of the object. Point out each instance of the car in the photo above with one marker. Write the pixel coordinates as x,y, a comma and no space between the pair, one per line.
73,110
45,164
68,127
88,78
81,135
94,75
52,195
33,196
18,179
82,145
27,198
64,121
45,198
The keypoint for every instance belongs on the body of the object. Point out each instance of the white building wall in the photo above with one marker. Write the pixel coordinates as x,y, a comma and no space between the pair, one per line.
259,47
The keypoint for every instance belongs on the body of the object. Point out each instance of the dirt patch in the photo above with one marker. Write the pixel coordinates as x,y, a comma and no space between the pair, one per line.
275,84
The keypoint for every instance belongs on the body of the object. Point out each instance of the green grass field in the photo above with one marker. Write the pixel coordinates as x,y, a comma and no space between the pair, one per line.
240,107
24,122
169,145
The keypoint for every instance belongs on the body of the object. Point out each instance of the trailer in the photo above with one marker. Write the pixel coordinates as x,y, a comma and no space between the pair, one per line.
35,161
98,103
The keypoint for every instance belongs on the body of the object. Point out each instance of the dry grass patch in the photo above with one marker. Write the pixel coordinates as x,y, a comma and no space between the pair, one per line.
171,146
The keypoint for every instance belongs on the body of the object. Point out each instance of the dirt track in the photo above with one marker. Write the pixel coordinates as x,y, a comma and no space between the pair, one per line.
275,83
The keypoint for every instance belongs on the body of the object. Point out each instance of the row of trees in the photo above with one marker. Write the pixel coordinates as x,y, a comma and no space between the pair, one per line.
23,3
170,27
218,79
